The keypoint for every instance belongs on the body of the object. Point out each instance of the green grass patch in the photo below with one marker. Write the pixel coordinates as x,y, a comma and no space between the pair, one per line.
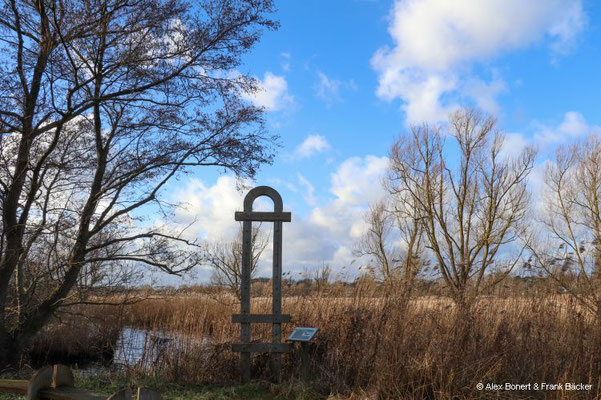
177,391
110,383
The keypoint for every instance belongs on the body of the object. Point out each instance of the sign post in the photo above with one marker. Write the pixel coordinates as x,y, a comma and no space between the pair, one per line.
276,318
304,336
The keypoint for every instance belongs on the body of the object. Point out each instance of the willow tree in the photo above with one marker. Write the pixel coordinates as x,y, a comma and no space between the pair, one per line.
393,242
568,250
472,207
225,259
103,103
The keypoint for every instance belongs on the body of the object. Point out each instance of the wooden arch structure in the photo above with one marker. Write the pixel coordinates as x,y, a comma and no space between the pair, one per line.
276,318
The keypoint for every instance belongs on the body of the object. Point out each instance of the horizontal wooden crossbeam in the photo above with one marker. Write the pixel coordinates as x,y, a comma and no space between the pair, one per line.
261,347
261,318
263,216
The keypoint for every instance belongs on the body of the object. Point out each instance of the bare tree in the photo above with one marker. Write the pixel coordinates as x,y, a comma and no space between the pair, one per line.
377,242
226,259
321,276
411,230
104,102
571,253
393,241
471,209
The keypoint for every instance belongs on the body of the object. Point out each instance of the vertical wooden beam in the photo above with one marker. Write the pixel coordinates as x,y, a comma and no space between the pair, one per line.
305,367
123,394
245,296
247,216
276,358
42,379
62,376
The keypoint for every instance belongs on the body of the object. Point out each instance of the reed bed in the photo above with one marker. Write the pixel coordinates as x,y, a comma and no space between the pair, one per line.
381,347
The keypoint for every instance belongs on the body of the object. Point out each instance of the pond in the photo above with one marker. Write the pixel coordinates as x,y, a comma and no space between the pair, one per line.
146,349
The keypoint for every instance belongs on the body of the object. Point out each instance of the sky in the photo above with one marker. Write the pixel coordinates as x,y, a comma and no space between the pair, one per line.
342,79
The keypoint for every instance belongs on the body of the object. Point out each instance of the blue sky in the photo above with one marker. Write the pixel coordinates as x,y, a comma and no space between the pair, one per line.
342,79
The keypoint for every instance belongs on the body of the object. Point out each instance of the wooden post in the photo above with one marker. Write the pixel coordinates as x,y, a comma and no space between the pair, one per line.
304,336
245,297
276,358
276,318
42,379
305,367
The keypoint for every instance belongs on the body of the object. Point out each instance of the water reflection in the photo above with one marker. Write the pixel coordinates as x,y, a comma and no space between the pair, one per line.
142,347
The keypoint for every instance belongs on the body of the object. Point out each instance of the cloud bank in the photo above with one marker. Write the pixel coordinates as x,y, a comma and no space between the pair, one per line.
437,42
324,235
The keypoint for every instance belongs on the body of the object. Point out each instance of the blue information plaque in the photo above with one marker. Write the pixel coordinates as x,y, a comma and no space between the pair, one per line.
302,334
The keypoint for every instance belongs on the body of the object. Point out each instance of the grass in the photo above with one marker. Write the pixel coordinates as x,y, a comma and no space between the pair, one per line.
178,391
107,383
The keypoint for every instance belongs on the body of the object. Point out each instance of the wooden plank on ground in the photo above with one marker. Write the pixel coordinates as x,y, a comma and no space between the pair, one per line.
123,394
51,383
260,318
147,394
261,347
14,386
70,393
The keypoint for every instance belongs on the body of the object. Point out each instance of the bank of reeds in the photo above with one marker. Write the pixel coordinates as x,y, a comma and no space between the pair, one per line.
77,337
383,348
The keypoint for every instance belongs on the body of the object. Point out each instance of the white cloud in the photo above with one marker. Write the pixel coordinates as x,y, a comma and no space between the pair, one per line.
514,144
546,138
312,145
309,189
573,126
420,92
209,210
285,56
324,236
437,41
483,93
358,180
355,184
329,89
439,34
537,186
272,93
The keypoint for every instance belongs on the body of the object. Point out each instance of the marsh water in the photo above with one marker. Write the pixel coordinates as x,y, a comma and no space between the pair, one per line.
145,349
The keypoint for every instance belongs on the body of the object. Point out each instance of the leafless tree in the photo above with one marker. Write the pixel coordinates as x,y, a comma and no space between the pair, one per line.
571,254
321,276
377,244
225,258
103,102
393,242
472,209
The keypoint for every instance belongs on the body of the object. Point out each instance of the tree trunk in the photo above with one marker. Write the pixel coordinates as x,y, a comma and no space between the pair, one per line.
464,303
10,353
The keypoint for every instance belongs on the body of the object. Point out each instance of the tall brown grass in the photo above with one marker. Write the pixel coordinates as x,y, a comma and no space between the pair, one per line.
381,347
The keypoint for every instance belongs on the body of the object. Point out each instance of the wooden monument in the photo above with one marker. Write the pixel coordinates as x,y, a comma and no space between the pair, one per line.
276,318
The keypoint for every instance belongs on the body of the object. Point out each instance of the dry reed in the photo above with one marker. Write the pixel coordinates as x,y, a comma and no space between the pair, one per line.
383,347
380,347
